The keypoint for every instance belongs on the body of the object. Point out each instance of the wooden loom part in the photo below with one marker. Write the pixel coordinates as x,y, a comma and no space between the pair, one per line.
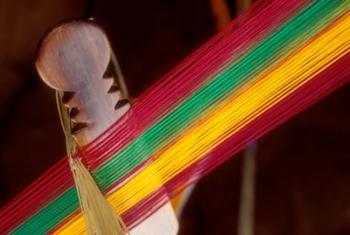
76,58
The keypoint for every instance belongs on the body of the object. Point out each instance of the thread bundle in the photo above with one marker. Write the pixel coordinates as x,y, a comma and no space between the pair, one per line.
284,56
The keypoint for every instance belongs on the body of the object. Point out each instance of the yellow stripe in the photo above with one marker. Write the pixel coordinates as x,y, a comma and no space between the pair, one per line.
230,117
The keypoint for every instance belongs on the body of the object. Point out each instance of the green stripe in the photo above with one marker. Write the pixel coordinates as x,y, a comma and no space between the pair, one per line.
300,28
174,123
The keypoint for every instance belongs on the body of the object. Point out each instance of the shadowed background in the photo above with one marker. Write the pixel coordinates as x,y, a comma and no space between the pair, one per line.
303,167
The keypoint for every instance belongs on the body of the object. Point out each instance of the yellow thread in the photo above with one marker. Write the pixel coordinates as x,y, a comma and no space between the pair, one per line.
230,117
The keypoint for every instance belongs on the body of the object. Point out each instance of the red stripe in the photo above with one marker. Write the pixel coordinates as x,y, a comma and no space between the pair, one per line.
323,84
191,74
244,31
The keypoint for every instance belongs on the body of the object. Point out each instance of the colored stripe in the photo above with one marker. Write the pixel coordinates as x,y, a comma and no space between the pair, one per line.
212,97
277,85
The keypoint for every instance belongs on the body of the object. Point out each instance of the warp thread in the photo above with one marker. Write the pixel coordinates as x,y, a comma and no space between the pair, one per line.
275,60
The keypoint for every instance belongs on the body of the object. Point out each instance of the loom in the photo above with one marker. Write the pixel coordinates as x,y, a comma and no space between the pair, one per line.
273,61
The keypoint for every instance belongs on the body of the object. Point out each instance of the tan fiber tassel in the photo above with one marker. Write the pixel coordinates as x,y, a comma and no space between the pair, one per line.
100,217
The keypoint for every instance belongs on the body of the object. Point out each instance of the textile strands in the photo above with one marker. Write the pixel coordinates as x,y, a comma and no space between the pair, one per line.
273,61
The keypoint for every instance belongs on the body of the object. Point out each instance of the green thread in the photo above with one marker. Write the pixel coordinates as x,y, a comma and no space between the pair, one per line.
311,20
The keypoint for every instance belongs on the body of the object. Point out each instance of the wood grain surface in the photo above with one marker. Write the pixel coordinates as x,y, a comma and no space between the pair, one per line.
74,58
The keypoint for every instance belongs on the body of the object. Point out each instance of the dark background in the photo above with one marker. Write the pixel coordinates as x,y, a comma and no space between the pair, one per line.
303,167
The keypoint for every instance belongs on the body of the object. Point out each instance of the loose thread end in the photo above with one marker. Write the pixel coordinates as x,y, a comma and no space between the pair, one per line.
100,217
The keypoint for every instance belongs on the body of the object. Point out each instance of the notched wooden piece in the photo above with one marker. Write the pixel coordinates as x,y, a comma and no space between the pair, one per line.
75,58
